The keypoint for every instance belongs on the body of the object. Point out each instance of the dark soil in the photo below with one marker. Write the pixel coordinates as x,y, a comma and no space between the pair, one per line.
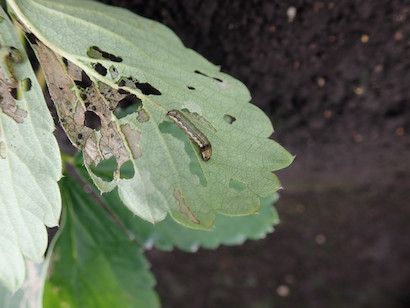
336,83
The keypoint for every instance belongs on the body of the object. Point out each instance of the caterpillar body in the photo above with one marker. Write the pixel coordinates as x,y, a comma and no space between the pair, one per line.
193,133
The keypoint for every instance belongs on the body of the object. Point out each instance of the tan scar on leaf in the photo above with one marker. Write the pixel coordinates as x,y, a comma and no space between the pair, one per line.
183,207
8,104
133,139
3,151
72,104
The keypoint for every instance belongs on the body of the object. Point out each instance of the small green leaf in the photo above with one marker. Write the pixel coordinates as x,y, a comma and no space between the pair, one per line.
168,234
93,262
30,163
142,57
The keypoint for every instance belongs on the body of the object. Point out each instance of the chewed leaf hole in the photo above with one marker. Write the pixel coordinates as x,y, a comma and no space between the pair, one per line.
133,83
127,170
96,53
229,119
127,105
191,88
15,55
205,75
92,120
31,38
26,84
122,91
200,73
14,93
100,69
194,166
142,115
147,89
85,81
113,72
106,169
236,185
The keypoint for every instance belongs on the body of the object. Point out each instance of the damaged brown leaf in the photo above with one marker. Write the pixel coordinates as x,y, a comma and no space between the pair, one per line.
73,102
9,82
8,104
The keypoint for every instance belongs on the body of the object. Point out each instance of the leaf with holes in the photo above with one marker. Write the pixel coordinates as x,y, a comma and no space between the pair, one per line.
93,263
30,163
196,145
167,234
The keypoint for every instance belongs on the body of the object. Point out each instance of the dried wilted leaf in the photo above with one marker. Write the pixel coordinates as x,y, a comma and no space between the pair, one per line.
74,102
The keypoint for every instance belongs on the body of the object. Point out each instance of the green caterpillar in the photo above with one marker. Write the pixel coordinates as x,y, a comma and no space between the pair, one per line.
194,133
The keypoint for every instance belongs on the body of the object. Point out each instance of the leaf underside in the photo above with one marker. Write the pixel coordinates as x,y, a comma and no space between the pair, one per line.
168,234
125,55
30,164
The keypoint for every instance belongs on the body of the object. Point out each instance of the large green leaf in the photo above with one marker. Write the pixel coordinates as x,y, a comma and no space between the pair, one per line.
30,164
227,230
145,58
168,234
93,262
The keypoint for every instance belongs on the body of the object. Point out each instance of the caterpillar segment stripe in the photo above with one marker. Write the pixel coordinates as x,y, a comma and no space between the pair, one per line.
193,133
